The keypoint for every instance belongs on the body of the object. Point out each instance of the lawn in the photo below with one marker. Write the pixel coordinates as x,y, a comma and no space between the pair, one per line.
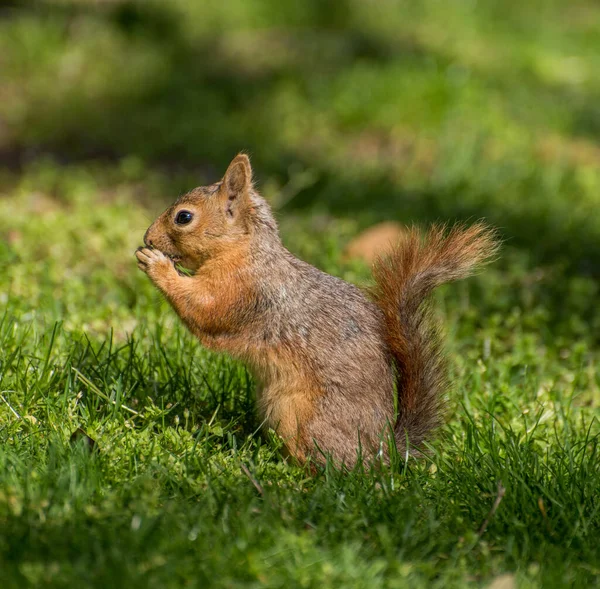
354,112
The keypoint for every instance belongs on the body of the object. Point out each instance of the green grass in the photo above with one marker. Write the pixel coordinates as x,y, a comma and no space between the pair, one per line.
369,111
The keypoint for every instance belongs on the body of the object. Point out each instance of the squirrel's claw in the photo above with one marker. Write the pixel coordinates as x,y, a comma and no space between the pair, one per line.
150,258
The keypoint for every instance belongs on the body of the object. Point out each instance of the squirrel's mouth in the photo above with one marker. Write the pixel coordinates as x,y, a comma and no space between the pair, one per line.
173,257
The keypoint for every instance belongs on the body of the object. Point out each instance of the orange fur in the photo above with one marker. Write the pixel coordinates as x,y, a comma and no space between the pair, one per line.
325,357
404,280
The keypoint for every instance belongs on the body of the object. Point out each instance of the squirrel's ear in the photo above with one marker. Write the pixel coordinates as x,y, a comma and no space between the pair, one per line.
237,183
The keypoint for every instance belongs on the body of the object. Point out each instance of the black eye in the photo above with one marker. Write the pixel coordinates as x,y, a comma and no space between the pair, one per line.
183,217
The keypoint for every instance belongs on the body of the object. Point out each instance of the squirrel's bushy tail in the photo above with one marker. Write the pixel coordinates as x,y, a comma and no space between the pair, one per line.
404,279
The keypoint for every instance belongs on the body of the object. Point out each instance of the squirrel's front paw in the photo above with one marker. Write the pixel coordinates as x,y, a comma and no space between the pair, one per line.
153,262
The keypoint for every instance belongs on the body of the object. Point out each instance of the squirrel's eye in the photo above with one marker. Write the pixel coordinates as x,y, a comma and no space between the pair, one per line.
183,217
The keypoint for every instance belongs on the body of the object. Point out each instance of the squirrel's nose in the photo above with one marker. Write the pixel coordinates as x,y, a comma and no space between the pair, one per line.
147,241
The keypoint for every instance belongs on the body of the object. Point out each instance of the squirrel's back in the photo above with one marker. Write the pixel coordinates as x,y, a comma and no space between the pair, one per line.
334,335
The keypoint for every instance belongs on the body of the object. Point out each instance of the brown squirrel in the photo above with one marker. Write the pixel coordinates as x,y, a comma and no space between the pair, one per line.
328,358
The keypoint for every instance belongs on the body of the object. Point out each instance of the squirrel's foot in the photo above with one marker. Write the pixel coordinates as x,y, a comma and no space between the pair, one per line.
154,263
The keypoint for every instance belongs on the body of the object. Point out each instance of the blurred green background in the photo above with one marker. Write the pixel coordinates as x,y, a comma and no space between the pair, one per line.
353,112
371,109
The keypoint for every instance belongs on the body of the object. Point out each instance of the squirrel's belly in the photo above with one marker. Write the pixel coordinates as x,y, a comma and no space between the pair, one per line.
287,406
286,409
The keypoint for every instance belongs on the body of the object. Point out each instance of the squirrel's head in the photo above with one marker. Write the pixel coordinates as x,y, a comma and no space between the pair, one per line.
210,220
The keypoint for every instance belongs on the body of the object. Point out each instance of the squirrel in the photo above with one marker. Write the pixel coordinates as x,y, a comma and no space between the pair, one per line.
339,369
